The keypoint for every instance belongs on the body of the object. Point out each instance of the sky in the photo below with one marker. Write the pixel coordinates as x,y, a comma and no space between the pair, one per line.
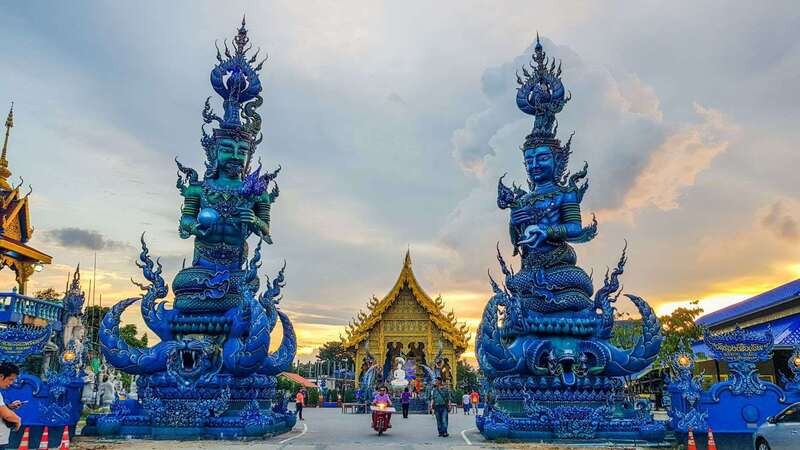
392,122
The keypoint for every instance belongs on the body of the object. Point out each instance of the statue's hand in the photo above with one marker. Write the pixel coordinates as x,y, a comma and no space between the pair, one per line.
200,230
534,235
246,215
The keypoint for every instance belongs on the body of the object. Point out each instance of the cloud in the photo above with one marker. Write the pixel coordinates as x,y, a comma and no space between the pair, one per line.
387,140
781,223
616,115
471,142
619,123
676,163
636,97
72,237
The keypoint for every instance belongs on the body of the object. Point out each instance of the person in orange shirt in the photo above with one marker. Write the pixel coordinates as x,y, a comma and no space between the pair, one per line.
474,397
299,402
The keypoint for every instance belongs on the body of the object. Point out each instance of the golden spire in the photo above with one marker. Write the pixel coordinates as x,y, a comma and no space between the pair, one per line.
4,172
407,261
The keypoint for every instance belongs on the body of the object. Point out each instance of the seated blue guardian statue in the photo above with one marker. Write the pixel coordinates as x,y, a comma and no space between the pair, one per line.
543,340
212,374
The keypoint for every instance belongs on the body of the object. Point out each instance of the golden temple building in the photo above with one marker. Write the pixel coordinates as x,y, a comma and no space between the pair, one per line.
15,224
407,322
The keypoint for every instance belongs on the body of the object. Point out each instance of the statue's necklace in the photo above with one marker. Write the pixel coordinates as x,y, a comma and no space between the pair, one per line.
226,200
230,190
545,197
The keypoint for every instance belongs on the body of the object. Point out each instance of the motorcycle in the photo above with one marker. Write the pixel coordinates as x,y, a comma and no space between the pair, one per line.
381,417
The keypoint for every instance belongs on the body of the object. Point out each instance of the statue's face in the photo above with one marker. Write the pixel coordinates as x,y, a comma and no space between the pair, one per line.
232,156
540,164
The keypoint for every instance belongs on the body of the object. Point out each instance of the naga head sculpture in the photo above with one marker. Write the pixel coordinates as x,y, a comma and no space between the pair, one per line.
194,359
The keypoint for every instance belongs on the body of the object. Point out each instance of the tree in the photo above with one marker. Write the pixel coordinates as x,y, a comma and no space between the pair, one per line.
467,375
128,333
48,294
93,315
679,329
626,330
334,351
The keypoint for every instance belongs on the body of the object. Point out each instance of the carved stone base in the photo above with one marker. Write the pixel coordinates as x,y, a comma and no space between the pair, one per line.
524,411
238,408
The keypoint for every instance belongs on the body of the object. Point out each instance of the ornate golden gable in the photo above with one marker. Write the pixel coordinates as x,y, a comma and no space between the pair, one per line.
15,223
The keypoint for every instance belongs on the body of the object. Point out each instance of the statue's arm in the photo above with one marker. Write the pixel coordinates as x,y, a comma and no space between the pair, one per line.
569,220
260,225
189,211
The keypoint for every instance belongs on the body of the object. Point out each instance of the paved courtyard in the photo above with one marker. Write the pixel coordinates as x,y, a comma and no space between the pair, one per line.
330,429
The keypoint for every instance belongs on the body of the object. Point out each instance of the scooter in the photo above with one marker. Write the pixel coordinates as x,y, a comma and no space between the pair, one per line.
381,417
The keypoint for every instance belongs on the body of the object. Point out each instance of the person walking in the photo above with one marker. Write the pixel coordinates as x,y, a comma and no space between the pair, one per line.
474,398
440,405
405,400
8,374
299,402
466,403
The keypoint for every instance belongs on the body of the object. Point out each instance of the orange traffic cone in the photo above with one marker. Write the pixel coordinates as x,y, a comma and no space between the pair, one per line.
65,439
690,445
23,443
45,440
711,444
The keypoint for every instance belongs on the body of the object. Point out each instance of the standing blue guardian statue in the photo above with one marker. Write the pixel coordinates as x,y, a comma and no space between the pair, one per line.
543,342
212,374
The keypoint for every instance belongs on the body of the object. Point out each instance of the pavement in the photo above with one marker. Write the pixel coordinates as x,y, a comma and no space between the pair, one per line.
328,428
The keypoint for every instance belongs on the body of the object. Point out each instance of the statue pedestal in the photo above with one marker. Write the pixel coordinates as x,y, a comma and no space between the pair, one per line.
223,408
542,408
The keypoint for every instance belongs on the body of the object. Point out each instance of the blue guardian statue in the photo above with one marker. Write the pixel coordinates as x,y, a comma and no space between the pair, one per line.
212,374
543,342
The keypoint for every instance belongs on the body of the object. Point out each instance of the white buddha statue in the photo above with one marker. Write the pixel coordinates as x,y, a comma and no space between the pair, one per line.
399,380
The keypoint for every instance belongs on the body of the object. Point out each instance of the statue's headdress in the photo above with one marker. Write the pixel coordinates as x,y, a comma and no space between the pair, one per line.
541,94
236,81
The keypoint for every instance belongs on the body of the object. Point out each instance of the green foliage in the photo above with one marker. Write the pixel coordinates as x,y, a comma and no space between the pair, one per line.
455,396
93,315
679,330
626,330
48,294
287,385
467,376
128,333
334,351
312,397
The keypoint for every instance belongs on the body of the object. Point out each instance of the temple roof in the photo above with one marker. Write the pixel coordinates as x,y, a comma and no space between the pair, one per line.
774,297
298,379
452,330
15,222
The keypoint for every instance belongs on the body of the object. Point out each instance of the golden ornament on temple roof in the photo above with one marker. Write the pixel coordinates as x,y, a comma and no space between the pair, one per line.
406,321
